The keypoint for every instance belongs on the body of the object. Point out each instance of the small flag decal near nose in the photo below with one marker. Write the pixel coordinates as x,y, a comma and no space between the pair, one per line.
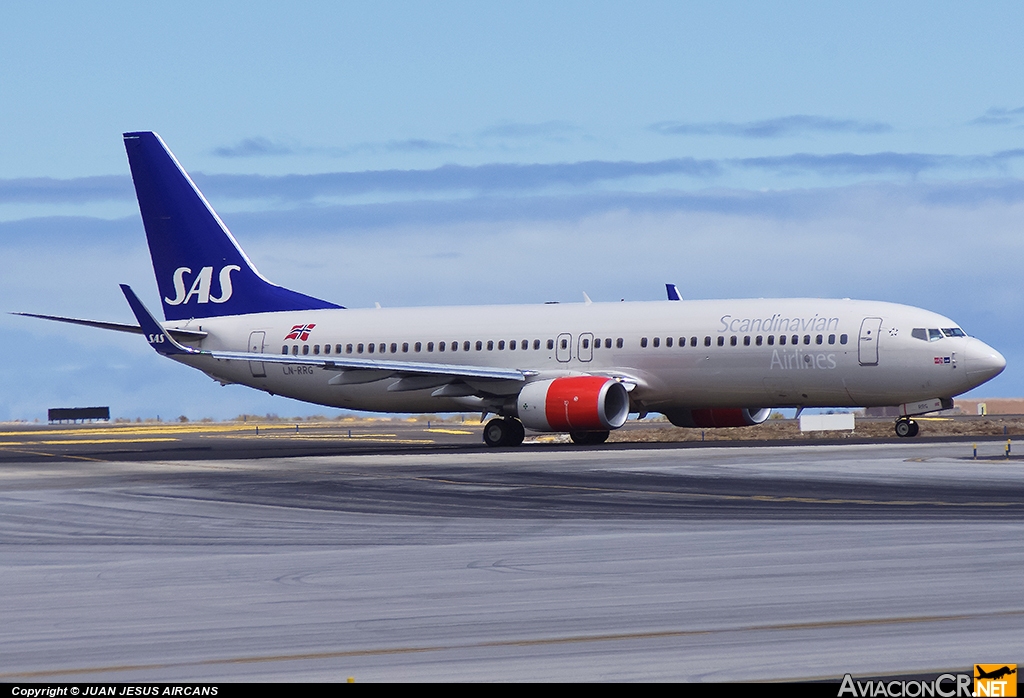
300,332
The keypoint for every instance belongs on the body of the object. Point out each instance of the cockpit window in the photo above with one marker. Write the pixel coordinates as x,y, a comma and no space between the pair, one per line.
928,335
953,332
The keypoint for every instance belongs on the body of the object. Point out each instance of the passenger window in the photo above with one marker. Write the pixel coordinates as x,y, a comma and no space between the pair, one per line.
843,339
394,348
465,346
348,348
693,341
732,341
586,344
501,344
771,340
316,348
284,350
383,347
337,349
295,350
807,339
551,344
370,348
819,339
479,345
758,340
430,346
618,343
643,342
565,343
657,341
525,344
327,348
417,347
746,341
512,345
490,345
831,339
440,347
405,347
455,346
305,348
782,340
707,341
796,339
536,344
721,341
668,341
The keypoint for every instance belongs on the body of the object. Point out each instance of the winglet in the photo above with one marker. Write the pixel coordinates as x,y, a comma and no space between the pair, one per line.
673,292
152,330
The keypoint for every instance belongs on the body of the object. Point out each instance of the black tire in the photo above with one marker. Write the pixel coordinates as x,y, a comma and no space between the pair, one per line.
517,432
588,438
914,428
496,433
504,432
905,428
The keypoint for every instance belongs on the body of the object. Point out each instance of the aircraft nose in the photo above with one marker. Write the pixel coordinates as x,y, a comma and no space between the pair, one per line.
982,361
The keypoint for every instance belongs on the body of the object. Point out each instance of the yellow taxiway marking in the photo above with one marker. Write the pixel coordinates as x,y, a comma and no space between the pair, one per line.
57,455
448,431
521,642
85,441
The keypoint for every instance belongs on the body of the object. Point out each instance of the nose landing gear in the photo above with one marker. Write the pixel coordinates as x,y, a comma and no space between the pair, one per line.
906,427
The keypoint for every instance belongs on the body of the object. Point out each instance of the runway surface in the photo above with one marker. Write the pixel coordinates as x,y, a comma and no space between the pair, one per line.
542,563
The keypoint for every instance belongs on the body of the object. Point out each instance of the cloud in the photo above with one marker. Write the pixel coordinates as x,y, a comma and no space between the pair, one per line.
497,178
516,130
77,190
780,127
450,178
259,146
254,147
998,116
836,164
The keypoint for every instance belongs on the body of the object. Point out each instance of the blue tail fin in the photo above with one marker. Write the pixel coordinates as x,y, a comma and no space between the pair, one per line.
200,269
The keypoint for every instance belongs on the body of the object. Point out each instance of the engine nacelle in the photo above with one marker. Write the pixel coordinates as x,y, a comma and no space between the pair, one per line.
578,403
719,417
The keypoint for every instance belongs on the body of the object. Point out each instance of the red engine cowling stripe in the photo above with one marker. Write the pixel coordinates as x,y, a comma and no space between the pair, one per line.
572,404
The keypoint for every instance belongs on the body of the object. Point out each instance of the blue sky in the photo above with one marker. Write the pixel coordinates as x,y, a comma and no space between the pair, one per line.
436,153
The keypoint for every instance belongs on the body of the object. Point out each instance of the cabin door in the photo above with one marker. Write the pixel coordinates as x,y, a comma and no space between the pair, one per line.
256,340
585,351
867,345
563,347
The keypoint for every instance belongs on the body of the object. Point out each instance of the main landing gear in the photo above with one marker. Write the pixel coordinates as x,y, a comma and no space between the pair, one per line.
906,427
504,431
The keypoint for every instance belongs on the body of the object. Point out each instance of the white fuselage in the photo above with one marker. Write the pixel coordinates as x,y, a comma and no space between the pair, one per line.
679,354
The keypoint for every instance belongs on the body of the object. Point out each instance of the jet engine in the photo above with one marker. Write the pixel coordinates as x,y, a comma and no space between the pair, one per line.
719,417
574,404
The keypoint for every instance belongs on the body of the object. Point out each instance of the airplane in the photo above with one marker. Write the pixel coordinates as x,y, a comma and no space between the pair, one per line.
579,368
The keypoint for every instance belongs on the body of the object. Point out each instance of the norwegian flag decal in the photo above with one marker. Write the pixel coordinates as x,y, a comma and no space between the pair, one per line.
300,332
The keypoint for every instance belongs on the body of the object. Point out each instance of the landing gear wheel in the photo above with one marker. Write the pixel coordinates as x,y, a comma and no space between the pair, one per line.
518,433
914,428
504,432
906,428
588,438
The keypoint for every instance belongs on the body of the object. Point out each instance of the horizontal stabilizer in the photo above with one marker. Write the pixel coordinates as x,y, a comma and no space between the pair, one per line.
178,334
